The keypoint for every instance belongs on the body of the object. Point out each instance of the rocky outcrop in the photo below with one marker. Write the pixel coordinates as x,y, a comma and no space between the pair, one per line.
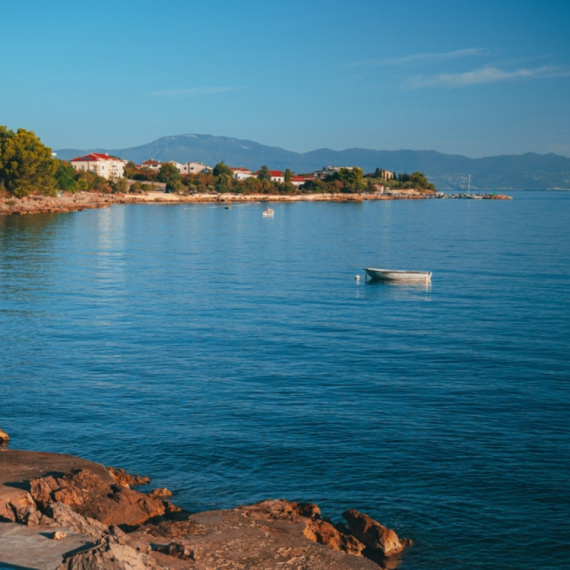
378,539
91,497
109,554
122,529
4,438
126,479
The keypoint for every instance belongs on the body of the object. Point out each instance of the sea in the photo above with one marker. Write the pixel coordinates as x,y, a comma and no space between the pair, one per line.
234,358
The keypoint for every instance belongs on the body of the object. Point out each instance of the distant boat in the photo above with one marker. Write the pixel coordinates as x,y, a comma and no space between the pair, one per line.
397,275
268,213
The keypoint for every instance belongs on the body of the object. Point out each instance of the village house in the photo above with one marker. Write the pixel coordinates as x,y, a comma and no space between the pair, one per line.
300,180
194,167
108,167
150,164
330,170
277,176
242,173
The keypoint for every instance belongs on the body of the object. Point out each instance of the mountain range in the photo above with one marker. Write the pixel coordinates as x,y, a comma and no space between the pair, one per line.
448,172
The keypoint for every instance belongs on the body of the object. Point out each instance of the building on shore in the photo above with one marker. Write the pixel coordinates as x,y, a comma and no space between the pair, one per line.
194,167
242,173
109,167
150,164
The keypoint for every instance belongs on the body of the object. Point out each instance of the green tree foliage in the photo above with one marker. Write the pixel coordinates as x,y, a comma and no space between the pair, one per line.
168,173
264,173
92,182
223,169
287,175
26,165
65,177
120,185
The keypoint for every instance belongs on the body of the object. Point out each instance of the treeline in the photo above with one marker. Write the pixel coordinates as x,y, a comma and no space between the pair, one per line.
26,166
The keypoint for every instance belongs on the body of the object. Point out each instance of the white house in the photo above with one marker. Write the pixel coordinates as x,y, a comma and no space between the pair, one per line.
193,167
150,164
242,173
277,176
300,180
109,167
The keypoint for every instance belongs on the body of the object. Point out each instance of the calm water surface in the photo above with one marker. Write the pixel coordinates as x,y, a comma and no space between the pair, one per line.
235,358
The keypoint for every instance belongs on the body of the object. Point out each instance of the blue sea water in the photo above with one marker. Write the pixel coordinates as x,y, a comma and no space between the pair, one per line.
235,358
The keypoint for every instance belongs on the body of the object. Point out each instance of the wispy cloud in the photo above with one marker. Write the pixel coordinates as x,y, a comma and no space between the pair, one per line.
485,75
420,57
194,91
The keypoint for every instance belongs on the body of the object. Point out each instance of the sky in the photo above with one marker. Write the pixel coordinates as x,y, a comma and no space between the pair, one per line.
477,78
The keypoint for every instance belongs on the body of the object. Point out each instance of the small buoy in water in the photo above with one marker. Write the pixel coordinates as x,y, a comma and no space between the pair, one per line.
357,277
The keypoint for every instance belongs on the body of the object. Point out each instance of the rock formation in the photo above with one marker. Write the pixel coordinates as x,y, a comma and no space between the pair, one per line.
117,528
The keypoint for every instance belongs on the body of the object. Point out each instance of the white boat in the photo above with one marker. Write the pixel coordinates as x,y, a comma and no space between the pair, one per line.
397,275
268,213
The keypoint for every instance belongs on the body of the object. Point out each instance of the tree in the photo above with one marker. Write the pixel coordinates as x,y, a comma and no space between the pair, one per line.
352,179
221,169
65,177
26,165
287,175
168,173
264,173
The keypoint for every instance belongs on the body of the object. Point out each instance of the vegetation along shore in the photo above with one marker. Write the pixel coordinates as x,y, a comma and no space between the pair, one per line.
32,181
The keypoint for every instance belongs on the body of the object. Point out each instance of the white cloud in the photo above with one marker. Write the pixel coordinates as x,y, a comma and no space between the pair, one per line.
194,92
485,75
426,57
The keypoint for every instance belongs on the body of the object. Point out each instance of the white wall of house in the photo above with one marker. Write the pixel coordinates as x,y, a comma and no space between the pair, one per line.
106,166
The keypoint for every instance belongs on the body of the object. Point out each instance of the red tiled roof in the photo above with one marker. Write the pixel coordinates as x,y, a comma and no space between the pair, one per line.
93,157
148,162
275,173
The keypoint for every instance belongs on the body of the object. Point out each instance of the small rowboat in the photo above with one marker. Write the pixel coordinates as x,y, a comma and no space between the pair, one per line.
268,213
397,275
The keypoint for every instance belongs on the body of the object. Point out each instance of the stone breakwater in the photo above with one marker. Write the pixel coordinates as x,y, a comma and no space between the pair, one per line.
59,512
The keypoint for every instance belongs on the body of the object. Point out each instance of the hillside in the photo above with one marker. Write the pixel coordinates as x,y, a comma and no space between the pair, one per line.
448,172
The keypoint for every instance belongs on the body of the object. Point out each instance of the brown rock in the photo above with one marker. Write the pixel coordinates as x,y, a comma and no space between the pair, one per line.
373,535
64,516
108,555
4,437
58,535
325,533
161,493
178,550
125,479
90,496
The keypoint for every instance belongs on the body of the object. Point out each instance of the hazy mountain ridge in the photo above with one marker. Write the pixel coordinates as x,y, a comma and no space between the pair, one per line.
449,172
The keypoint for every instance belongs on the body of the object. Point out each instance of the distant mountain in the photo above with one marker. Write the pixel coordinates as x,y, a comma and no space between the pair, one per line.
448,172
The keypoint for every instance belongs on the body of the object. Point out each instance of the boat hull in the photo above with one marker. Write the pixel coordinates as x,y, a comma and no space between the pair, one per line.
397,275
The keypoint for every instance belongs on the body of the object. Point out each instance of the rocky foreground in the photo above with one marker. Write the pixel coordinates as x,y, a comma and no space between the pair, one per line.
59,512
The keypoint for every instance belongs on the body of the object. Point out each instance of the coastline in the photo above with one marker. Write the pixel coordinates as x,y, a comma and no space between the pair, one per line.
60,512
87,200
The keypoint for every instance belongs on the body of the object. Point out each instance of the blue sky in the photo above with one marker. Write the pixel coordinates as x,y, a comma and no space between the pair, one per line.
477,78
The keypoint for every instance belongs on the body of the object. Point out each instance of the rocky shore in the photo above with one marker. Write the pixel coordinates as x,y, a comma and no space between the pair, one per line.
59,512
88,200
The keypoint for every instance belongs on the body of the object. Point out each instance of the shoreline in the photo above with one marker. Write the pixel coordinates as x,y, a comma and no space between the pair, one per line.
87,200
60,512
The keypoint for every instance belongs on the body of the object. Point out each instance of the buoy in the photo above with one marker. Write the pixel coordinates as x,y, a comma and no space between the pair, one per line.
357,277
